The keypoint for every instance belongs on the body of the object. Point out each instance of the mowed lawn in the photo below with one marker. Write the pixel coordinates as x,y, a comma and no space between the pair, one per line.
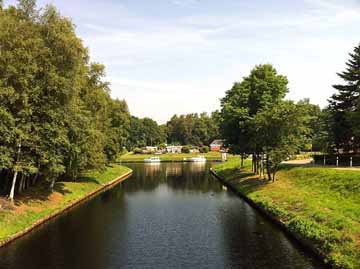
39,202
320,204
168,157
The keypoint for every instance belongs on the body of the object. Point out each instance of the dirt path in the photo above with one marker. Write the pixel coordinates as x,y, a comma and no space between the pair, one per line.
299,162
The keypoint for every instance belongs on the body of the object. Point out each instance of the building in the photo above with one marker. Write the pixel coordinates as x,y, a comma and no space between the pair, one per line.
217,145
173,149
149,149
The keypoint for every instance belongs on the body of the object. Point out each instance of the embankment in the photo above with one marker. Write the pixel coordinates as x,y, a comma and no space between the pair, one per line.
320,207
38,205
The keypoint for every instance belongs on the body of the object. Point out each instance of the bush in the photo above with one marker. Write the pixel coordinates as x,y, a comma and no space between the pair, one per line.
137,150
185,149
204,149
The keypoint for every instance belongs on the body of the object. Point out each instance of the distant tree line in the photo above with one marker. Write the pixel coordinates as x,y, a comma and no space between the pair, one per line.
193,129
190,129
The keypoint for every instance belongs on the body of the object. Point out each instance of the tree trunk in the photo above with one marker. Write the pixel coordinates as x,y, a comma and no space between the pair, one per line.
27,182
12,191
255,163
20,188
263,165
52,184
242,160
268,168
35,178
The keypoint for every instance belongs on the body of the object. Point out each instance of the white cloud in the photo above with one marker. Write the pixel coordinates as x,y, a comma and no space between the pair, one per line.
183,59
185,3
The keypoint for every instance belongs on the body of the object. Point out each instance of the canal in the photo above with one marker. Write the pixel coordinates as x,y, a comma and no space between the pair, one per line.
173,215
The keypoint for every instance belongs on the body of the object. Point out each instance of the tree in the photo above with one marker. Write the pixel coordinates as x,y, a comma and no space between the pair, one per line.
262,88
21,46
315,126
28,8
345,104
57,117
279,130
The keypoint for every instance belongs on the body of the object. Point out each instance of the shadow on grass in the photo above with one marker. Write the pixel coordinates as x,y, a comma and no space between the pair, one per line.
42,191
246,182
87,179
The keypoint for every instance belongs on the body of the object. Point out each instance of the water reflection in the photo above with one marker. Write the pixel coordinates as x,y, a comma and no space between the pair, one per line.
167,215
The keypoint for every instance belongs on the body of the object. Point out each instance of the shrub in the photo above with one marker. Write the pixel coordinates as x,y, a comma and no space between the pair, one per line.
204,149
185,149
137,151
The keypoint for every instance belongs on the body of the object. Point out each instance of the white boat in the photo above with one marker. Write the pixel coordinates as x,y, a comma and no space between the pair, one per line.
152,160
199,158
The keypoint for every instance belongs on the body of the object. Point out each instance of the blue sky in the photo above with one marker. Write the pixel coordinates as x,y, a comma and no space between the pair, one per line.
180,56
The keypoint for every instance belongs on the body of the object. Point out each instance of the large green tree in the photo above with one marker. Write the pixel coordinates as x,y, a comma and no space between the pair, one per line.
57,116
263,87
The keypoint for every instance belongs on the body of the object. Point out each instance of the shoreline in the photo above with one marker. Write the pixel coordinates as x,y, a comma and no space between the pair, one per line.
303,242
37,224
169,161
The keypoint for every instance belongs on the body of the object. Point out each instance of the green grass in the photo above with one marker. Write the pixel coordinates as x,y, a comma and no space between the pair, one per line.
168,157
320,204
38,202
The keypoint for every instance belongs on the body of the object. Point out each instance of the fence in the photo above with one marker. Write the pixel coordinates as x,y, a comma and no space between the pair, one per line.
338,160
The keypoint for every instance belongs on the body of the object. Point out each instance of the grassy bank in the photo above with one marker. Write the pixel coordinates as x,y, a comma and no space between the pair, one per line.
38,202
169,157
321,205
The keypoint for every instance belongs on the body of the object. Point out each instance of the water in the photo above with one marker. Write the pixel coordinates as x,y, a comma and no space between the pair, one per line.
173,215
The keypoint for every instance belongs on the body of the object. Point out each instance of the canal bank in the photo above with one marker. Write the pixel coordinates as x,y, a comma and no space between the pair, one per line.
316,206
168,157
30,213
273,218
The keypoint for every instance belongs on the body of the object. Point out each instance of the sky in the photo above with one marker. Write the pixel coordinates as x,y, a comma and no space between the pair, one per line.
167,57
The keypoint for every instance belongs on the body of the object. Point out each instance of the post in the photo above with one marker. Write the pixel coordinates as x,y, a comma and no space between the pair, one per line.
324,160
337,161
351,163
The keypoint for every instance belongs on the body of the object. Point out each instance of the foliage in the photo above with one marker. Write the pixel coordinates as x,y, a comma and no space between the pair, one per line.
57,116
344,106
185,149
204,149
254,118
280,130
145,132
137,150
193,129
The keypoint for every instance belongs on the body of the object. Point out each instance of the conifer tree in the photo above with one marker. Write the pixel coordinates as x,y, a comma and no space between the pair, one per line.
345,105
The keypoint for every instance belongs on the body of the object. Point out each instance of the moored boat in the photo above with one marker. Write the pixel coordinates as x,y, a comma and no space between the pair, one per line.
152,160
199,158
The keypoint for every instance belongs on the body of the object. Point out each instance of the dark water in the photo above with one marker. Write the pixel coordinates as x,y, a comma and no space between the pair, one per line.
171,215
